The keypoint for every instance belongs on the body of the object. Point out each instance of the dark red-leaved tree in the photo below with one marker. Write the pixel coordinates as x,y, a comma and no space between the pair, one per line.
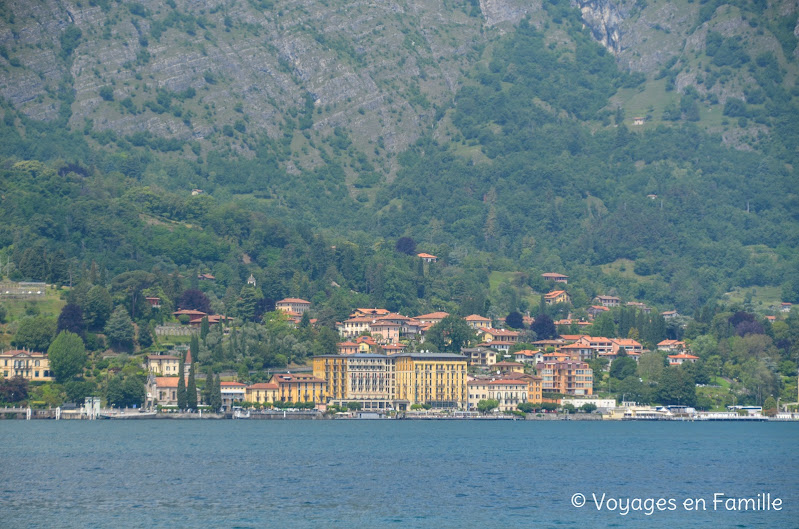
194,300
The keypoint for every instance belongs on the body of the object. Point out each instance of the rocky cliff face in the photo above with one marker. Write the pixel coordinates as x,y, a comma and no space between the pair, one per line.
604,19
221,75
184,69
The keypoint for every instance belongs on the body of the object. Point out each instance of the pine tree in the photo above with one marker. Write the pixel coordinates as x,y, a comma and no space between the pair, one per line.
191,389
181,387
204,329
208,389
194,347
216,397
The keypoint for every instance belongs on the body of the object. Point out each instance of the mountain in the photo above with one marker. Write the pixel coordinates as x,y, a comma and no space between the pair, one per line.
505,135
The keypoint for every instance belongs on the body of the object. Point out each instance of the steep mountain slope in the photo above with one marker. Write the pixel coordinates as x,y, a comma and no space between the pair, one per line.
493,132
358,81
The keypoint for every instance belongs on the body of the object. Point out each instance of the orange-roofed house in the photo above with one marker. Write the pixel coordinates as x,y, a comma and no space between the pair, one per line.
557,296
299,306
154,301
163,391
573,337
353,327
162,365
433,317
596,310
347,348
599,344
393,348
557,278
569,378
499,335
528,356
300,387
578,351
480,356
671,346
628,344
556,356
508,367
475,321
190,313
509,393
680,359
262,393
366,344
373,313
427,258
385,331
26,364
608,301
232,394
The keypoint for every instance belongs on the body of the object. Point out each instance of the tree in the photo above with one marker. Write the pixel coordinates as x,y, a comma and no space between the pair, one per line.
208,388
406,245
204,328
59,269
544,327
194,300
71,319
67,356
604,325
191,388
569,408
119,329
194,347
145,336
770,407
526,407
514,320
98,307
216,396
676,387
247,303
35,333
132,283
631,389
486,405
451,334
354,406
588,407
13,389
126,392
182,402
623,367
77,390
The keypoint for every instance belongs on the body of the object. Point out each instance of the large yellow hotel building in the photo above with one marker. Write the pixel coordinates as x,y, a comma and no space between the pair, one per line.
395,381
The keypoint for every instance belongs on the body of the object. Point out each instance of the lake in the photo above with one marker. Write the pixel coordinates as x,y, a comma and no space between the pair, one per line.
416,474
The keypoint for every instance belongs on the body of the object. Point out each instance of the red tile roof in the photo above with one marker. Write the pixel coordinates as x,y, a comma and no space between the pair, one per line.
263,385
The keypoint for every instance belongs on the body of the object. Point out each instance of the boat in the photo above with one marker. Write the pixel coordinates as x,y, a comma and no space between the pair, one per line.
127,415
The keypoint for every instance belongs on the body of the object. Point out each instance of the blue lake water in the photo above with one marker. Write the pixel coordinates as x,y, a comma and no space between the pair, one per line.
375,474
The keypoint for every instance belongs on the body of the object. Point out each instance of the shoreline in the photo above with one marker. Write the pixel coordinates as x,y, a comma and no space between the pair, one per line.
116,415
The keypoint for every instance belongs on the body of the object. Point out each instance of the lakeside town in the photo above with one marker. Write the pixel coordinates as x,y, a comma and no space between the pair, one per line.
383,369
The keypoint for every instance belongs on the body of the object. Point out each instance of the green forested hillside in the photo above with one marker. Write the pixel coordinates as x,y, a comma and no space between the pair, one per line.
531,166
319,159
